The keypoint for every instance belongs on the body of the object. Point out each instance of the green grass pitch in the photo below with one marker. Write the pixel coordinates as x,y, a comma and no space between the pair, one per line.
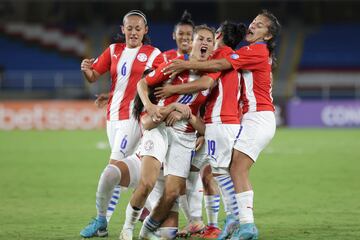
306,182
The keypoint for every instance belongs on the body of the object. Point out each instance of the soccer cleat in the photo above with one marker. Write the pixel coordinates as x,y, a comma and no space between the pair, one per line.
247,231
194,227
126,234
211,232
96,228
231,224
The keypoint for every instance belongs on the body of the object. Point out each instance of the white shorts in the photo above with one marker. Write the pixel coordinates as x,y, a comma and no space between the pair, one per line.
155,143
257,129
200,158
134,164
123,137
179,154
219,143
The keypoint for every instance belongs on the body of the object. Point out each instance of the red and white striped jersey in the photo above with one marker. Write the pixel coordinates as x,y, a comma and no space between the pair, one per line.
254,63
193,100
223,104
170,55
126,66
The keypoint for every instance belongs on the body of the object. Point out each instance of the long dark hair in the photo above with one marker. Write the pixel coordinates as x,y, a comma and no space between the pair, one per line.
185,20
274,30
138,104
120,37
233,33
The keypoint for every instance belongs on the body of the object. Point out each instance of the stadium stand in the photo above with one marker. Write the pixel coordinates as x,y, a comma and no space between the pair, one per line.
329,67
36,57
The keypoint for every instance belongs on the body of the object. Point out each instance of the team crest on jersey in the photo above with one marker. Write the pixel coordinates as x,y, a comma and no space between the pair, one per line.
148,145
205,92
142,57
234,56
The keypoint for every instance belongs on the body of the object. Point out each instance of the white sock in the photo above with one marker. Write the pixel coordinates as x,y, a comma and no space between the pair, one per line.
212,206
184,205
149,226
132,216
109,178
194,191
167,232
245,203
113,202
228,193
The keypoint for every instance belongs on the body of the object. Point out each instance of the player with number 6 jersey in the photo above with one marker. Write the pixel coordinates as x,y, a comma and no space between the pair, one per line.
126,63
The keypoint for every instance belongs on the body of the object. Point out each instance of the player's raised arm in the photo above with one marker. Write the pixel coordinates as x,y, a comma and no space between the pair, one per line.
178,66
152,109
89,73
200,84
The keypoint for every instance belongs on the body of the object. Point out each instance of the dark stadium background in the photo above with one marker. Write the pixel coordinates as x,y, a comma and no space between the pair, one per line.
43,42
306,181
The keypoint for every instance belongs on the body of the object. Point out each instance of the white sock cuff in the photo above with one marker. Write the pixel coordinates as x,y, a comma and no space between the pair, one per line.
249,193
113,167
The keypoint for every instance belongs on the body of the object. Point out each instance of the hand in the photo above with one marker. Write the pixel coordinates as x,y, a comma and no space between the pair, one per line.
185,110
154,113
172,118
199,143
175,67
86,64
164,91
101,100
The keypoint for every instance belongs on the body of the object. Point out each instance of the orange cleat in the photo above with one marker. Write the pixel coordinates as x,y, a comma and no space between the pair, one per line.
211,232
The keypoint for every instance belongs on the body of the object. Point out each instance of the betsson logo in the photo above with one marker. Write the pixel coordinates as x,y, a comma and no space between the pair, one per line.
341,116
40,118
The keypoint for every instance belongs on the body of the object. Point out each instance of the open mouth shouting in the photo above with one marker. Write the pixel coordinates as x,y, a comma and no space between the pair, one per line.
203,51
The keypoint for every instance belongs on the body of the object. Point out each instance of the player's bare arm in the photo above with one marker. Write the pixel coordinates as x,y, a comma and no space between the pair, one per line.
200,84
178,66
177,110
89,73
151,109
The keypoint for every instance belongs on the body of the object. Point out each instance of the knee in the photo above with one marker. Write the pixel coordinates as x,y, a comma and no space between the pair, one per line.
171,195
146,186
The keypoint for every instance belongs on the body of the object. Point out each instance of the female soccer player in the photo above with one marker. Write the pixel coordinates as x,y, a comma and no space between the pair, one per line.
222,119
258,125
182,34
126,63
155,149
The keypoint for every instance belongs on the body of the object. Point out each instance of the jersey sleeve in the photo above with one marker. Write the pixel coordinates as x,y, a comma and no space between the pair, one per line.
156,58
157,76
102,64
248,58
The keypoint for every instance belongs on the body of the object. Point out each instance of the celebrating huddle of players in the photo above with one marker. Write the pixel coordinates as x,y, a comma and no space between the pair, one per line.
185,123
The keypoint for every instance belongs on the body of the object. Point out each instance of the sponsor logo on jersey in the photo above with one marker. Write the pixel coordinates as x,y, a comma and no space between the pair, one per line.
234,56
142,57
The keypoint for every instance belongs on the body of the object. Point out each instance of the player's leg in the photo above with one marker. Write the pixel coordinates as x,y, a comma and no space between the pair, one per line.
126,136
212,203
173,186
191,203
116,173
150,168
258,130
153,149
